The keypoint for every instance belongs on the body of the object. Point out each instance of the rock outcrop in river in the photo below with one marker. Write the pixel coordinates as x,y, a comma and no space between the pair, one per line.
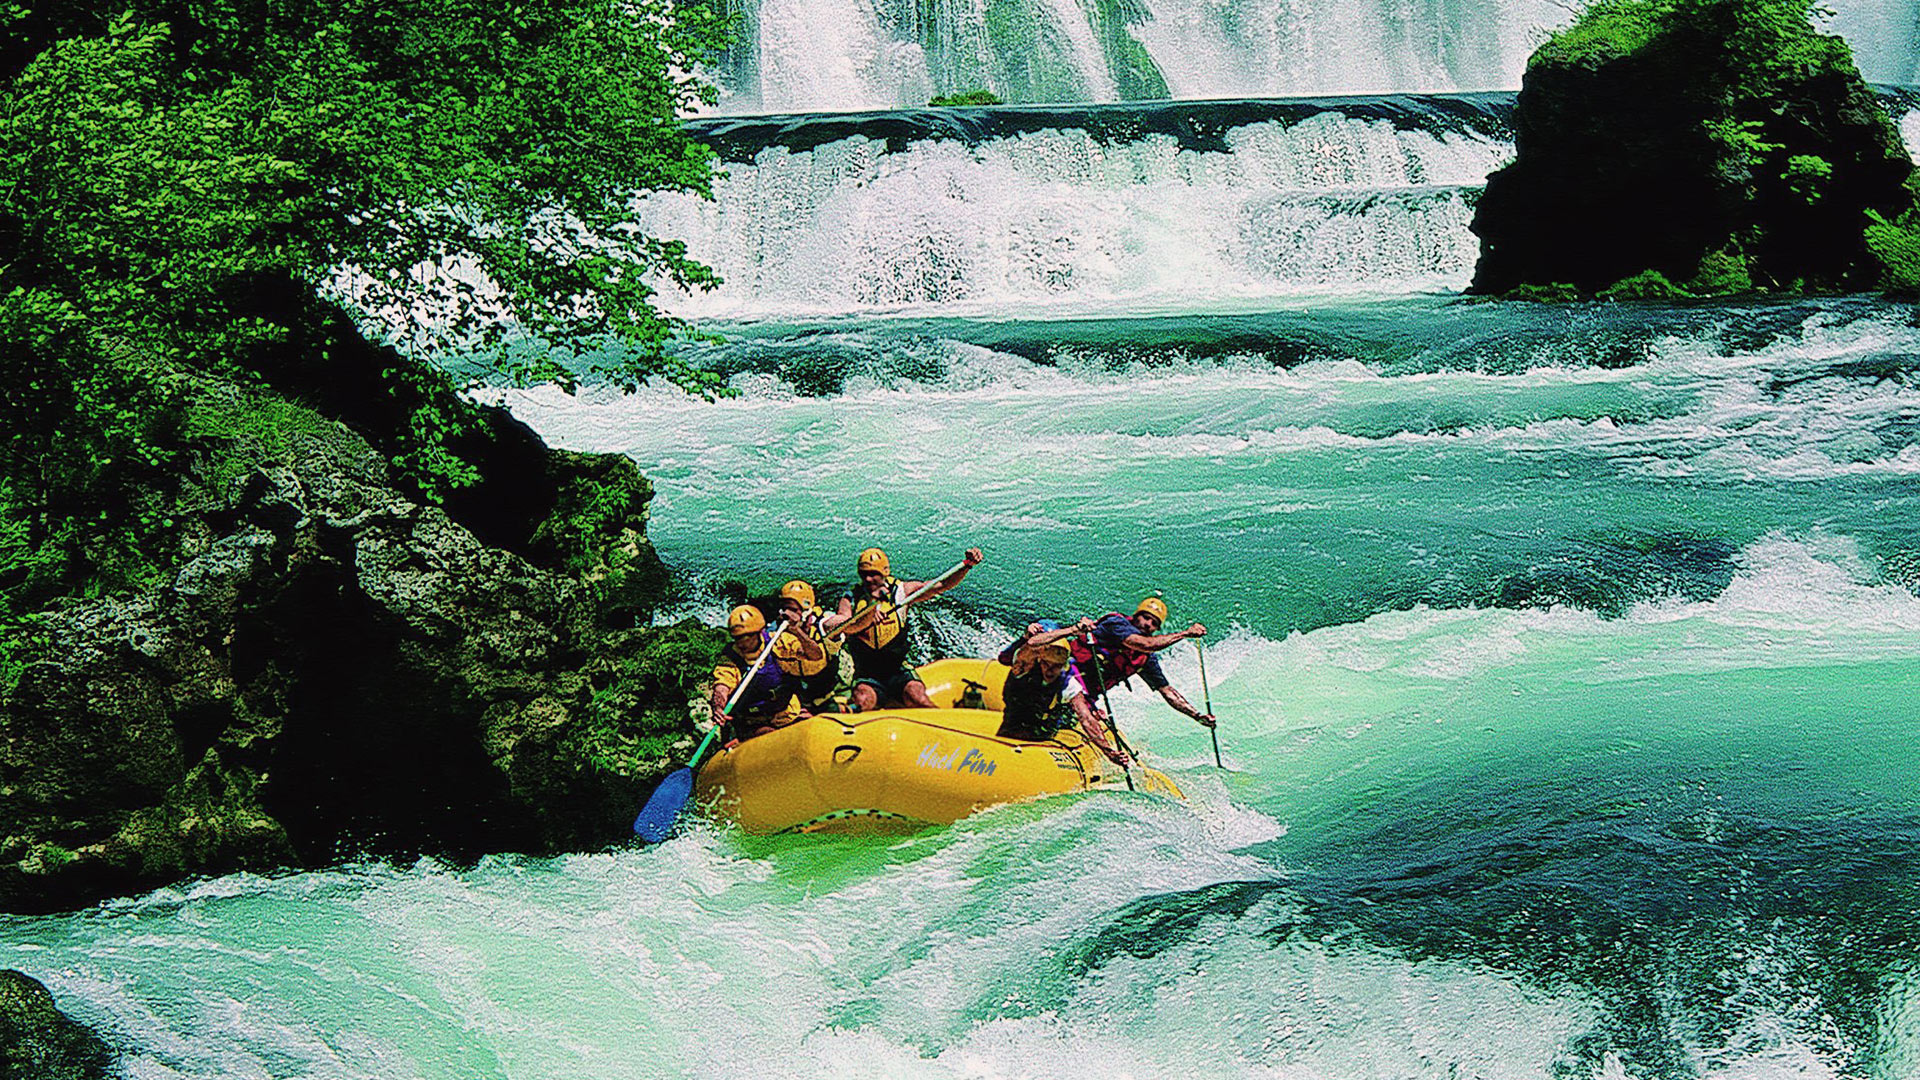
1715,146
37,1042
337,668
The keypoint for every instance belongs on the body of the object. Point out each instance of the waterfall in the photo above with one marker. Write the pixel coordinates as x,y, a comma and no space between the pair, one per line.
1090,208
818,55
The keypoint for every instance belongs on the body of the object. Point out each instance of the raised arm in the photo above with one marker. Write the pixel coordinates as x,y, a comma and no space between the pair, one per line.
972,559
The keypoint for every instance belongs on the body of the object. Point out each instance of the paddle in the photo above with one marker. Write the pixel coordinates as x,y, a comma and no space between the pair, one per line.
1107,700
912,598
663,807
1207,698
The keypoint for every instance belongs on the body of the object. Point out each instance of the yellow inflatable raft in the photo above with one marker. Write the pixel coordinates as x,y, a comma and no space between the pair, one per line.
896,770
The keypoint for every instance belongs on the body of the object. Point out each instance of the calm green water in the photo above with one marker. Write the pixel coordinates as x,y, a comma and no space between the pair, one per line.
1568,664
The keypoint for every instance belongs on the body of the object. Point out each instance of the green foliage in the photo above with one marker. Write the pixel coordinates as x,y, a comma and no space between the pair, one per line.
659,672
1557,293
1646,285
970,97
1658,132
1806,176
88,436
166,167
159,163
239,431
1896,244
1607,29
1721,273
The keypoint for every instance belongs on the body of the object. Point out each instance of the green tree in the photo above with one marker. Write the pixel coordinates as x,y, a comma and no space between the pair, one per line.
181,179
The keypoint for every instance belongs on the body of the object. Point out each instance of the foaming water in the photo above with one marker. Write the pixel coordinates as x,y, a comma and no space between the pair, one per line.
1330,203
1345,484
1504,843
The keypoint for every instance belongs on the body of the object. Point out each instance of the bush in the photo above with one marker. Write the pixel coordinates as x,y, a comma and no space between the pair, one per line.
968,98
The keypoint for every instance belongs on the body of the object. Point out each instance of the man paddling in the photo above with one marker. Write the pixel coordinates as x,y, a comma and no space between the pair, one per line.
1043,687
1123,646
768,701
825,684
876,630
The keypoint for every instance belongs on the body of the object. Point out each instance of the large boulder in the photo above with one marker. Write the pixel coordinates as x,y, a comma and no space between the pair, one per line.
1722,144
38,1042
336,669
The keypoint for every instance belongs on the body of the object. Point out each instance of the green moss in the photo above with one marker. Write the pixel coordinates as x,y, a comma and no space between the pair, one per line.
966,98
238,431
1557,293
1646,285
643,693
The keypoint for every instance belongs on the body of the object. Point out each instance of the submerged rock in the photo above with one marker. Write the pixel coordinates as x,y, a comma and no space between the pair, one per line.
336,669
1691,147
38,1042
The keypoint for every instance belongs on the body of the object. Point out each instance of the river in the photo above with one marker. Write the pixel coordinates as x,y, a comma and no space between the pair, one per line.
1566,660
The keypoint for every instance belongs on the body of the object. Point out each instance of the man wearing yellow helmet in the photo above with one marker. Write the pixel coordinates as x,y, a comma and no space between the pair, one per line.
824,685
876,630
1122,646
768,701
1044,692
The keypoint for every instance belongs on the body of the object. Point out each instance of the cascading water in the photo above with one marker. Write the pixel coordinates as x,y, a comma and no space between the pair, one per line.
1356,195
822,55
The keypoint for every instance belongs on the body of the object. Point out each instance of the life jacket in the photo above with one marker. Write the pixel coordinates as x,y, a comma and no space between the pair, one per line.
1113,669
771,688
831,646
884,642
1032,703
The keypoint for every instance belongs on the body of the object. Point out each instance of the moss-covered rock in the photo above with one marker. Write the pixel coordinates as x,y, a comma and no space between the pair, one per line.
334,667
38,1042
1724,144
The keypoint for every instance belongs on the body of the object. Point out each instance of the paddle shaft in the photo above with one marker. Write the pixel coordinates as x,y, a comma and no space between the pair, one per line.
912,598
656,819
1206,697
1093,650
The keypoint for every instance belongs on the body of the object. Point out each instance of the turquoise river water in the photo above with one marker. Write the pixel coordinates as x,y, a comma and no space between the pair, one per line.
1566,658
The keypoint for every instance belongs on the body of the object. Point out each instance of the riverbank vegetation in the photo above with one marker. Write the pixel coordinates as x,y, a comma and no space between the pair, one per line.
1675,148
273,588
210,188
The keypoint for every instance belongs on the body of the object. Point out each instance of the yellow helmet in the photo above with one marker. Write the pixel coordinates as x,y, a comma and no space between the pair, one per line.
745,619
873,559
1062,648
1155,607
798,590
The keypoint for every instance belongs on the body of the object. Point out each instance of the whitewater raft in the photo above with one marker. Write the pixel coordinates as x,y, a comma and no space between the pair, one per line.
898,770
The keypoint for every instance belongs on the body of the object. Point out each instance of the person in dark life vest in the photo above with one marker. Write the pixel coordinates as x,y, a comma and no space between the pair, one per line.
826,685
1044,692
768,701
876,631
1123,646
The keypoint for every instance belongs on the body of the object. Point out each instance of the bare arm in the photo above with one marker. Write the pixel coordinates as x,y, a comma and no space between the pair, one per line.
810,649
972,559
1094,727
1156,642
1180,704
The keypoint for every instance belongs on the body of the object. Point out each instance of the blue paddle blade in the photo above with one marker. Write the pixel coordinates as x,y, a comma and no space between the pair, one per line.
663,809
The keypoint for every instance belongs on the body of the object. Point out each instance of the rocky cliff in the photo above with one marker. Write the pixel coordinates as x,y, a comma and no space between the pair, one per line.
337,668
